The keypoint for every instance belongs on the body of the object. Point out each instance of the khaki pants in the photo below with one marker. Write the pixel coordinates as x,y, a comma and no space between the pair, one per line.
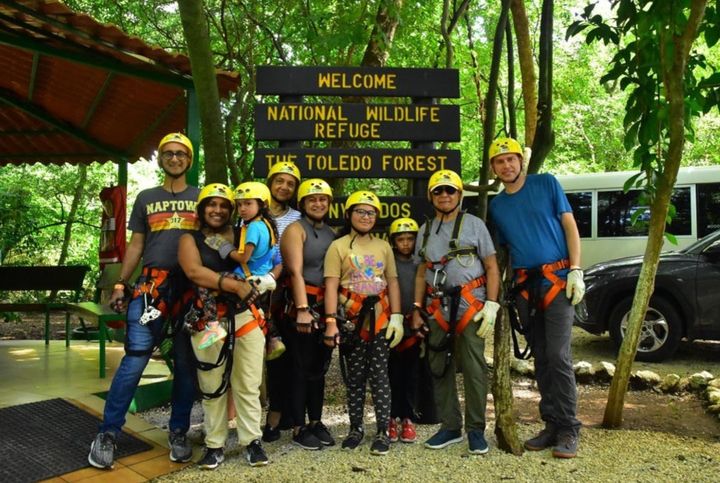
469,355
245,380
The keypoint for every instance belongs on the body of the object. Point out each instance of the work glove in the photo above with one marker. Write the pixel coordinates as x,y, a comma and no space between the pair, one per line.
263,283
486,318
219,243
395,329
575,289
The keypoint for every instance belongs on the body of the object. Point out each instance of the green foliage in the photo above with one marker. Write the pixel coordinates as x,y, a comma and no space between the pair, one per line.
639,34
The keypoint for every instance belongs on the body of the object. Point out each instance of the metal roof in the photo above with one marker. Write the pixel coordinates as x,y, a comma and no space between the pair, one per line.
73,90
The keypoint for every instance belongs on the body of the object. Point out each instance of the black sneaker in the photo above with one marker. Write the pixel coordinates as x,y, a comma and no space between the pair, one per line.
180,447
566,446
102,451
256,454
306,439
270,434
322,433
212,459
353,439
381,444
544,439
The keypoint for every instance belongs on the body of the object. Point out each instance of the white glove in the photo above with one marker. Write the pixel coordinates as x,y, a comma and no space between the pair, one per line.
486,318
263,283
575,289
395,329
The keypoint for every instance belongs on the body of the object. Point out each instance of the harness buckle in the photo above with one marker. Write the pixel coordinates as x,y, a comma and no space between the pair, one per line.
439,278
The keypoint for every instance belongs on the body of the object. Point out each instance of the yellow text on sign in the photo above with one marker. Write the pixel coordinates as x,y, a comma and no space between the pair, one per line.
341,80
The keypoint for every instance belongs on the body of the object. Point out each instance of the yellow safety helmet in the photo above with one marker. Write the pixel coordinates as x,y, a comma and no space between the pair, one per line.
253,190
403,225
504,145
176,137
218,190
444,177
362,198
314,186
284,167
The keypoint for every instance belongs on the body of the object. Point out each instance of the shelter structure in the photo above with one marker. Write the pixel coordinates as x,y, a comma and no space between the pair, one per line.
73,90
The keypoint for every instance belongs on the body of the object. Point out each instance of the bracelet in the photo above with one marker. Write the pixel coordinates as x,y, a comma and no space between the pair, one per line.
330,320
331,316
119,286
272,275
220,282
302,307
417,306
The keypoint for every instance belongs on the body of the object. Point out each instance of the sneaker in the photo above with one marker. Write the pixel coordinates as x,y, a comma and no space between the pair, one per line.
270,434
443,438
544,439
322,433
306,439
408,434
212,459
102,451
275,348
256,454
353,439
213,332
393,431
381,444
476,442
180,447
566,446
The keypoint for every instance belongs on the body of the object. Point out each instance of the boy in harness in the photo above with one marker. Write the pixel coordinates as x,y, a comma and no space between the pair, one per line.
456,289
534,218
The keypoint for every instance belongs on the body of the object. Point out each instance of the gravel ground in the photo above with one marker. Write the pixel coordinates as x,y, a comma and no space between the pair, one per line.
671,439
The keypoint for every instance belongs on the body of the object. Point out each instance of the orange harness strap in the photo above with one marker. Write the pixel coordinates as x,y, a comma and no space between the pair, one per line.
407,343
354,310
548,271
466,293
258,321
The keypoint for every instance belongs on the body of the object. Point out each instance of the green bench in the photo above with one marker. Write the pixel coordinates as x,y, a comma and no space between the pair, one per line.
43,279
98,312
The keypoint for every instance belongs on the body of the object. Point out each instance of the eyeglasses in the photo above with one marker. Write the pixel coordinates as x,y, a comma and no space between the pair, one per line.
368,213
168,155
451,190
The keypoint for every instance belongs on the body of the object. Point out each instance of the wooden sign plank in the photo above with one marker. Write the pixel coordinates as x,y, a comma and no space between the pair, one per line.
355,121
359,81
330,163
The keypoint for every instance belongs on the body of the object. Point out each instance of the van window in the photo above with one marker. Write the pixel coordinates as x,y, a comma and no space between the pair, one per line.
615,210
581,203
708,208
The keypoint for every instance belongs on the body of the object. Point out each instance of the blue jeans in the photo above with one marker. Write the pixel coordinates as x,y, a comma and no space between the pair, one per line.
139,343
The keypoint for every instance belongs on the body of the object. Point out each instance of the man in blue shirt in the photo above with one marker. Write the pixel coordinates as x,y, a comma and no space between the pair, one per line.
534,219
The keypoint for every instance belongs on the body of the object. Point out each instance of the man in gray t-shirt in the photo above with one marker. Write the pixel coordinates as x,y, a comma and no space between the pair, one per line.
457,283
159,217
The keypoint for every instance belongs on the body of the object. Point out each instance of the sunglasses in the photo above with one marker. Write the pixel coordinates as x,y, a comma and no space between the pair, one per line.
451,190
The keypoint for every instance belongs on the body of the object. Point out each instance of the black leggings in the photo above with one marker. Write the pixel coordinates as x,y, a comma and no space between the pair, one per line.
368,362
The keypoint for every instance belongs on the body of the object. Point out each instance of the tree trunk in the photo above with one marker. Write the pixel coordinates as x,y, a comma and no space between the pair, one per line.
386,22
491,104
673,80
527,68
505,427
544,136
67,235
197,37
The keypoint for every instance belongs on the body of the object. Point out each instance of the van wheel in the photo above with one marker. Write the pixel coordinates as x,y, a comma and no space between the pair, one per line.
661,331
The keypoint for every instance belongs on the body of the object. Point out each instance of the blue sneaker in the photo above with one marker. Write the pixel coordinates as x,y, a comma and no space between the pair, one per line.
443,438
477,443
